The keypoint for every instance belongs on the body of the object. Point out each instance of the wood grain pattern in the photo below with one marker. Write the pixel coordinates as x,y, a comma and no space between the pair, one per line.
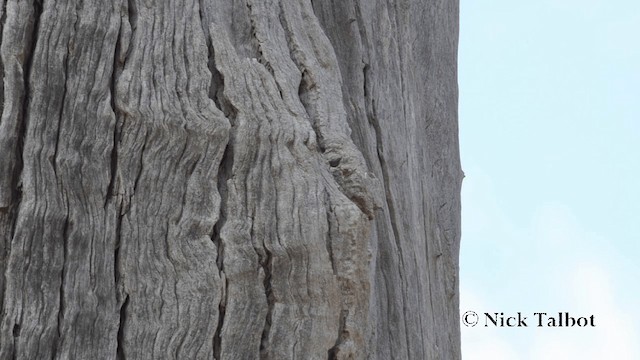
224,179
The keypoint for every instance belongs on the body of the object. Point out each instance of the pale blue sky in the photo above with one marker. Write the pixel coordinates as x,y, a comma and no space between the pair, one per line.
550,140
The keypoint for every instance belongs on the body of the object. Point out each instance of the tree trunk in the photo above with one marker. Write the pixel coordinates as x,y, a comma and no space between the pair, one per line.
256,179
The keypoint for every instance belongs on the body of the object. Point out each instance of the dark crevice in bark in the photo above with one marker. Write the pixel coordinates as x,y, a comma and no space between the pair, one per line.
216,240
225,168
267,266
364,50
306,83
120,352
265,260
16,333
305,86
115,72
258,43
16,330
111,189
224,172
61,304
217,336
216,86
330,230
365,75
113,197
132,15
342,334
121,296
229,110
116,258
65,67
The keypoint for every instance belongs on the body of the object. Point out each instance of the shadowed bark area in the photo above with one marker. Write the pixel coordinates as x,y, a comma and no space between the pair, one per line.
224,179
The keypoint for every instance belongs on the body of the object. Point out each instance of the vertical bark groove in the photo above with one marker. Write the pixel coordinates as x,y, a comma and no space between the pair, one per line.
268,291
120,349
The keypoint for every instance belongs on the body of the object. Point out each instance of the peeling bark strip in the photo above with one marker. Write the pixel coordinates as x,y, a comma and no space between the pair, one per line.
229,179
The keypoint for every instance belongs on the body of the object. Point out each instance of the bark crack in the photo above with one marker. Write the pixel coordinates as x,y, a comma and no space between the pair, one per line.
120,351
217,336
267,266
226,165
114,195
117,67
365,78
254,32
61,304
216,94
132,15
333,353
121,295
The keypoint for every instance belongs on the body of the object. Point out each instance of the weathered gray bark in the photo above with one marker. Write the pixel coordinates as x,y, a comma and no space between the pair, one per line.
227,179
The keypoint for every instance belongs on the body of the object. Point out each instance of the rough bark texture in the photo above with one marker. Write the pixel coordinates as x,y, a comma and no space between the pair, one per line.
226,179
